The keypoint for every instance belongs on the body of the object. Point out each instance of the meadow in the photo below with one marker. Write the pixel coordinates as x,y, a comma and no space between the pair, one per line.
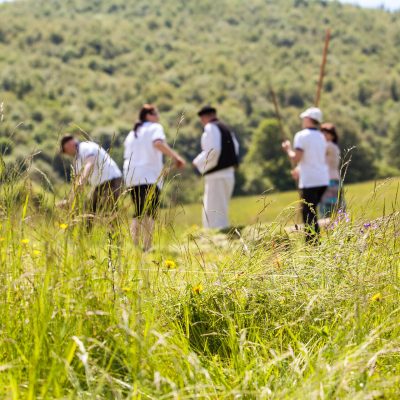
247,314
205,315
365,200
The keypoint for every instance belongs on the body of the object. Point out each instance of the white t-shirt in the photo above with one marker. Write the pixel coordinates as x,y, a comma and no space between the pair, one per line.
104,168
313,169
211,149
143,163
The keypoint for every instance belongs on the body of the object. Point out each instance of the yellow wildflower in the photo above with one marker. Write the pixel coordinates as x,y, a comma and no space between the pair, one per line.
169,264
36,252
2,239
198,289
278,262
126,289
63,226
25,241
377,297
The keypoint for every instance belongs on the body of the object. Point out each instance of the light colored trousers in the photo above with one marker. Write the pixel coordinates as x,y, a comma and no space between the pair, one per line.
217,193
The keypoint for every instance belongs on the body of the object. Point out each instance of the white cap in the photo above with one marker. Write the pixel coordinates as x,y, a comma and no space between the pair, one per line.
313,113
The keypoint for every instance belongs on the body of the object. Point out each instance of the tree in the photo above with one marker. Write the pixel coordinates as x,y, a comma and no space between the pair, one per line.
265,164
358,159
394,149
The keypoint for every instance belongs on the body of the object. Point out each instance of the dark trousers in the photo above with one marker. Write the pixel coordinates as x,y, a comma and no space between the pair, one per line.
311,197
105,196
146,200
103,200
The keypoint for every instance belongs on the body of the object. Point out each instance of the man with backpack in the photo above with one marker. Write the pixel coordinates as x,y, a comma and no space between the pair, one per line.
216,162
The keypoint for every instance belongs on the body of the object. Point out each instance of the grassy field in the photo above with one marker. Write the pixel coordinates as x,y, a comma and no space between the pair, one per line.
369,200
204,316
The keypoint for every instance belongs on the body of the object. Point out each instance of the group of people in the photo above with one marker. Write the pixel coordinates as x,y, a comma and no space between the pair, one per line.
143,171
317,159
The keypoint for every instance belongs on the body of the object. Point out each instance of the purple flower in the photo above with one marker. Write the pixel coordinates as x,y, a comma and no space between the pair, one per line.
342,216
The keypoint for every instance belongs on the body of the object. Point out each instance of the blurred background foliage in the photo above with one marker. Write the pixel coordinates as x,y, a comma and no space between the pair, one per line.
86,66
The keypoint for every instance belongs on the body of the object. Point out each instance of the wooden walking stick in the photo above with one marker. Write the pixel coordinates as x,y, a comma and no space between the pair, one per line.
279,118
277,113
322,68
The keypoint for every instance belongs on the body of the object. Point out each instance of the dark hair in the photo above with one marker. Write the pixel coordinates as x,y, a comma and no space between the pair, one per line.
144,111
207,110
331,129
315,122
65,139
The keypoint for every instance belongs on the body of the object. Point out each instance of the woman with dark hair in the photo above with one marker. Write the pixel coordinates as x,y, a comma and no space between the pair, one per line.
143,171
332,199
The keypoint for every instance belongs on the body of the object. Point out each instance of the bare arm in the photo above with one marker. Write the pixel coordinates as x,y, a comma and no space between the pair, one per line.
87,169
165,149
295,155
82,178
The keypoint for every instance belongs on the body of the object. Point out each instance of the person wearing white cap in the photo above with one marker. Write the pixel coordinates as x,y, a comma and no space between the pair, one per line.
309,153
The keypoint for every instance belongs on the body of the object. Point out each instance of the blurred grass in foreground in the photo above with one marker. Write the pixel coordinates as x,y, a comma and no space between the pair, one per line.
88,315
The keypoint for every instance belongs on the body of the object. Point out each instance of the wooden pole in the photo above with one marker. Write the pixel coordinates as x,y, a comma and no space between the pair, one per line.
279,118
322,69
277,113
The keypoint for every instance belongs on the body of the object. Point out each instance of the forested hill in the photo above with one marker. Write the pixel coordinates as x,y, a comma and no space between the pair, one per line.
92,63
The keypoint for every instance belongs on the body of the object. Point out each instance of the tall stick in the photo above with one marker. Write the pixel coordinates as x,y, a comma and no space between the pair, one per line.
322,69
279,118
277,113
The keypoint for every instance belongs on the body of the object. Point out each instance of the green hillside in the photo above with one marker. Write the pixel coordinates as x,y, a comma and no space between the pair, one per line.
88,65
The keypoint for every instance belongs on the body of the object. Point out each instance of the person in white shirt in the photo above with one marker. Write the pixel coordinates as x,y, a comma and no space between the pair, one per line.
93,165
143,171
310,155
216,162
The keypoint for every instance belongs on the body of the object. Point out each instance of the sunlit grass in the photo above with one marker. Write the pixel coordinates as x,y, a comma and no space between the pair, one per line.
369,200
88,315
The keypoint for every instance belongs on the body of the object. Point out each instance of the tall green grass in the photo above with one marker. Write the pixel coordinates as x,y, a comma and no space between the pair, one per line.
206,315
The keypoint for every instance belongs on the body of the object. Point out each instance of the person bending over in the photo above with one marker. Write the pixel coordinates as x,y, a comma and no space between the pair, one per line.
93,165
